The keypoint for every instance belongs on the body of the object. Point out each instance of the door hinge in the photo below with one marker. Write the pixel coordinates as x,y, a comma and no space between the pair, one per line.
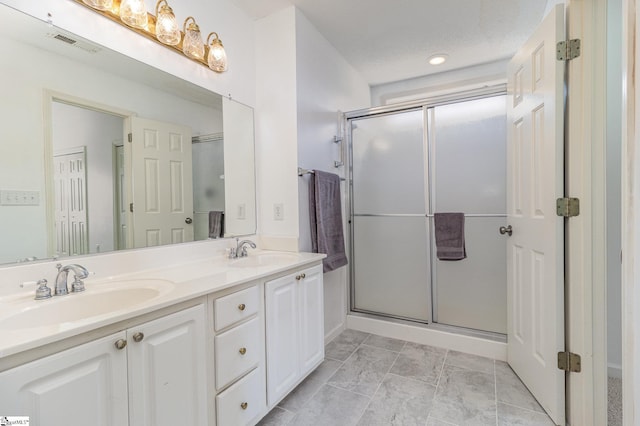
569,362
568,207
130,137
131,207
568,50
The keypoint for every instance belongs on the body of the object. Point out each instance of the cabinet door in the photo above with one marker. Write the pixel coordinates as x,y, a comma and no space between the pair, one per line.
282,313
86,385
167,370
311,294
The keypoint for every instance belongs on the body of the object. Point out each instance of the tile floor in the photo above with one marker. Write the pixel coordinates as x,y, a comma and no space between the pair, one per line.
369,380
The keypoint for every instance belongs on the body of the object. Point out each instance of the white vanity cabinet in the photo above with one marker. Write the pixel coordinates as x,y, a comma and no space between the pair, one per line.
86,385
151,374
294,329
239,357
167,370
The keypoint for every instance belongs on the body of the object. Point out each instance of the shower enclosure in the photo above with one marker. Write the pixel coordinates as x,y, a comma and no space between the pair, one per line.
443,155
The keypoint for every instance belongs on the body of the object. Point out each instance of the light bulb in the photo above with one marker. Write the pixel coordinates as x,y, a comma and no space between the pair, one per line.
99,4
217,58
134,13
167,30
192,44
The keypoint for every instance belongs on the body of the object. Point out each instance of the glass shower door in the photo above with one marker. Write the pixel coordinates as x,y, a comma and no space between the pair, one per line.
390,249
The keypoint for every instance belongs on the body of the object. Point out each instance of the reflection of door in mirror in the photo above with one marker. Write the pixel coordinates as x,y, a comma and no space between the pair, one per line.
208,185
162,183
95,133
70,180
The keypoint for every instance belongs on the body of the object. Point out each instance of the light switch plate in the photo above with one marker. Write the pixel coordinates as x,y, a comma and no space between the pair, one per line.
19,198
278,211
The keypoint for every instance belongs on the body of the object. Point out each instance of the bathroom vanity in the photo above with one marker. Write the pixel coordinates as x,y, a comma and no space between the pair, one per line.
209,342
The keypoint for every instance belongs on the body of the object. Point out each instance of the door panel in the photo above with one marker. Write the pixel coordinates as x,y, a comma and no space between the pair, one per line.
535,251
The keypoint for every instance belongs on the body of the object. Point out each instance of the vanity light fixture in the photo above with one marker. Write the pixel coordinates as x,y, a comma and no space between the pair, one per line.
163,29
99,4
134,13
192,44
217,57
167,30
438,58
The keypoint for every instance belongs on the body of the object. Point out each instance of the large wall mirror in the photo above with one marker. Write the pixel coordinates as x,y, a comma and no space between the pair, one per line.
72,183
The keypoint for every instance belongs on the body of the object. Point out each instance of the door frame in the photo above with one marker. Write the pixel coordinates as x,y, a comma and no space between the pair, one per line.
585,235
630,216
48,98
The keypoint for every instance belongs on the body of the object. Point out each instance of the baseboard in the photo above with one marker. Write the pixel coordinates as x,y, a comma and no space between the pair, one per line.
614,370
332,334
427,336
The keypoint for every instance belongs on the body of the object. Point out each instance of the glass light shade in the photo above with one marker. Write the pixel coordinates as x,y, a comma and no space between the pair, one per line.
192,44
134,13
217,58
167,30
99,4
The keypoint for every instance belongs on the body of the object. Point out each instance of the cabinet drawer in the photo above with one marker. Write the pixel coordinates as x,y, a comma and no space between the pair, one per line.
236,307
243,401
237,351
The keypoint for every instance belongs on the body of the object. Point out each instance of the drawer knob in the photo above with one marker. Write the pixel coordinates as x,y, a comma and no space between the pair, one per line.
243,351
242,306
298,277
303,275
120,344
244,405
138,337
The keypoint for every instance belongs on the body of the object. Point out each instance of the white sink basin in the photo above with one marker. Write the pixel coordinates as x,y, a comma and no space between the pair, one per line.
263,259
94,301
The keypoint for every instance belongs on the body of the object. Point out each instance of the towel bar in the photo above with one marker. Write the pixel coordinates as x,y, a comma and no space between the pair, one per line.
302,172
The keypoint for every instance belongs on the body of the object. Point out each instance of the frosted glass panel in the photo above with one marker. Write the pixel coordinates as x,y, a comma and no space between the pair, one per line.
469,147
472,292
392,266
388,164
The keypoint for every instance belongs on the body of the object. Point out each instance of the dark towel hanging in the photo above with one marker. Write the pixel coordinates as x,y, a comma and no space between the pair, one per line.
449,234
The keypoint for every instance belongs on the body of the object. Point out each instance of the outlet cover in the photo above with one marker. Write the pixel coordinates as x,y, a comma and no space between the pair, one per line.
278,211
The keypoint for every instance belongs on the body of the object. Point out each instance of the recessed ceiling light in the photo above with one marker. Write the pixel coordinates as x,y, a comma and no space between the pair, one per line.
438,58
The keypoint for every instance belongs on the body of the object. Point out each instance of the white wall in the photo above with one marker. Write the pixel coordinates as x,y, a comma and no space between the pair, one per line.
74,127
326,84
474,77
614,182
235,28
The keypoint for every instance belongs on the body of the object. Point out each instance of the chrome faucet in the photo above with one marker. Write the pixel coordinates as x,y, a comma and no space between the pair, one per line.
240,250
61,279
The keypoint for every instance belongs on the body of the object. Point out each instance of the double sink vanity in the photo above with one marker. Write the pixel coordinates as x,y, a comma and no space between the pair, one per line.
209,342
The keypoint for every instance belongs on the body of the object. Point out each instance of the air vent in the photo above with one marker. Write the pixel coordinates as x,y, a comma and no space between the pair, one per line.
64,38
80,44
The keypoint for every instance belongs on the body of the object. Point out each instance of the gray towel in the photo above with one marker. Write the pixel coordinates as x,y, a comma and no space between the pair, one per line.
216,224
449,236
325,216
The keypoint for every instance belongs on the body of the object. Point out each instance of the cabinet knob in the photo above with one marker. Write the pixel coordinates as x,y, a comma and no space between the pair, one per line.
241,306
243,351
120,344
298,277
303,275
244,405
138,337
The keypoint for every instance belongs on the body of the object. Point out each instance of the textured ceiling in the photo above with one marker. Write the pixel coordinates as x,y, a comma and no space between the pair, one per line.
390,40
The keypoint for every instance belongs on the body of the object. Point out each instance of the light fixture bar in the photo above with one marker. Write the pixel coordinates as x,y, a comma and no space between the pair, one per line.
149,32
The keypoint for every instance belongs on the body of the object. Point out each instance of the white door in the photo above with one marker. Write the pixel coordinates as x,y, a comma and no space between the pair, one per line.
85,385
535,251
70,180
167,370
162,183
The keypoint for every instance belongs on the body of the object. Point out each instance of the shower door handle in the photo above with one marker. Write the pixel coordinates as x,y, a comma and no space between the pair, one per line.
506,230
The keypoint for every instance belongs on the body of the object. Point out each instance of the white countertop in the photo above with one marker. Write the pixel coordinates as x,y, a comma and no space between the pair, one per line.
190,280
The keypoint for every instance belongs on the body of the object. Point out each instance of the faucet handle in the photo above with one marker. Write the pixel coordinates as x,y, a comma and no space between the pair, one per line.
42,292
77,285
